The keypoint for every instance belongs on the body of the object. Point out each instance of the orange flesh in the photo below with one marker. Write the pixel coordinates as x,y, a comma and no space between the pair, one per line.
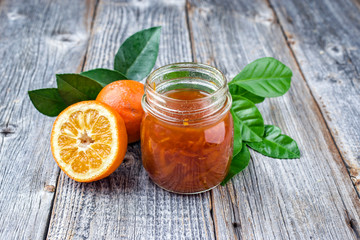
186,158
186,94
85,140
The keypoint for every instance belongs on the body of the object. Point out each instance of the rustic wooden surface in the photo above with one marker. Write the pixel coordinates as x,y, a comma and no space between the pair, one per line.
311,198
37,39
328,53
293,199
127,204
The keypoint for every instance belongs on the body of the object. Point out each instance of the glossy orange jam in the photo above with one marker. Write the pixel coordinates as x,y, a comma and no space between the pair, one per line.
187,157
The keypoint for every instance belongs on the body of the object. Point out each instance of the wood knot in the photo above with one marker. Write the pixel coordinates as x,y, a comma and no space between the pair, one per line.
7,129
336,51
289,19
49,188
129,159
15,15
352,223
289,38
355,227
65,39
236,224
266,18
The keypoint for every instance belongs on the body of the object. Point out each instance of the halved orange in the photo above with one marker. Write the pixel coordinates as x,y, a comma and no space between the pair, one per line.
88,141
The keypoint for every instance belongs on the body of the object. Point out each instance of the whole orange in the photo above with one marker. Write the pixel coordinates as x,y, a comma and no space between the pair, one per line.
124,96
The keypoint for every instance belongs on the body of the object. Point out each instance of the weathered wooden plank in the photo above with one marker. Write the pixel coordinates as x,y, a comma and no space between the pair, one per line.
127,205
37,38
310,198
324,36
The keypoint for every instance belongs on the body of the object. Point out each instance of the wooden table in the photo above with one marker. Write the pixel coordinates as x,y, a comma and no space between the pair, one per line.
316,197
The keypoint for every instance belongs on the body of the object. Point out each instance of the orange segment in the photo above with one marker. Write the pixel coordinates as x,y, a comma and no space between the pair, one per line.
89,141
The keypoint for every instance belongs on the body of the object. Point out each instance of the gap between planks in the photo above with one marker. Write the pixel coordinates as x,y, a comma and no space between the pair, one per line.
276,20
82,65
191,38
80,69
335,148
189,27
188,10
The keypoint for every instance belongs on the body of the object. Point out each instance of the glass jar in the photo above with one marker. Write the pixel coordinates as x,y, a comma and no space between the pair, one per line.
187,128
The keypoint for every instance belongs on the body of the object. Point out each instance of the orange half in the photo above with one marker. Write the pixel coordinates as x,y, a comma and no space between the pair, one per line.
88,141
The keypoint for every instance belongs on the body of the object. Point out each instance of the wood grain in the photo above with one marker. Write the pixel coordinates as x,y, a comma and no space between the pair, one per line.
37,39
310,198
127,205
324,36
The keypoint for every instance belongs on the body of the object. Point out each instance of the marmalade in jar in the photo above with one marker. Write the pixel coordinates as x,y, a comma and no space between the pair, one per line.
191,156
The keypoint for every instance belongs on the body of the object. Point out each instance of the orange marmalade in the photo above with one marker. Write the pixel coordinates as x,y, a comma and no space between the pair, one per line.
187,129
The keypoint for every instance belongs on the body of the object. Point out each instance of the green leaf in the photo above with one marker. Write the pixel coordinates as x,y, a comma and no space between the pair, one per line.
104,76
236,90
276,145
239,162
237,134
74,88
251,122
265,77
137,55
177,74
47,101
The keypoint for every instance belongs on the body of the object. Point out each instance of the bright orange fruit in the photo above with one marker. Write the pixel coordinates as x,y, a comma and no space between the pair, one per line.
125,97
88,141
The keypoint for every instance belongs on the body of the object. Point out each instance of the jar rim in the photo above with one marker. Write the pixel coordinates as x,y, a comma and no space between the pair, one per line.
160,105
183,65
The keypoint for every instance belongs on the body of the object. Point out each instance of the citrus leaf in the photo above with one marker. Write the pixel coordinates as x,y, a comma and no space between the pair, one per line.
239,162
236,90
47,101
137,55
104,76
75,88
265,77
237,134
251,122
276,145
